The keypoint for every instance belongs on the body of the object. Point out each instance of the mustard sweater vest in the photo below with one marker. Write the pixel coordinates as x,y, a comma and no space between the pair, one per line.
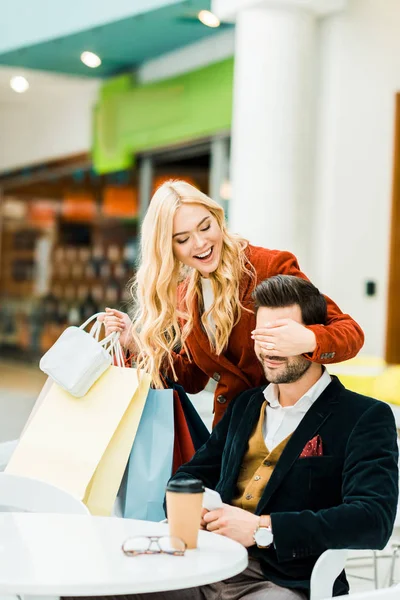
257,467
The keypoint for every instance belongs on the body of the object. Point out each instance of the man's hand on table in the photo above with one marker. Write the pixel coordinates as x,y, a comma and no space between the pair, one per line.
232,522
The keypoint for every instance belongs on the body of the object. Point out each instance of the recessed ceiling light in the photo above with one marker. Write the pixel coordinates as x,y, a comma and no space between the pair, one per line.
19,84
208,18
90,59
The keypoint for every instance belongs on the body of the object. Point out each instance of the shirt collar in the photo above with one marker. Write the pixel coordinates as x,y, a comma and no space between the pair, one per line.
304,403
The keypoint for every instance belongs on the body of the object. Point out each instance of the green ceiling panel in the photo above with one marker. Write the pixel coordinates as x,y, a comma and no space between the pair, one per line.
131,119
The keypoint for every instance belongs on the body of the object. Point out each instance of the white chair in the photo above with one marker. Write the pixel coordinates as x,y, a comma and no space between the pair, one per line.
392,593
22,494
327,568
6,450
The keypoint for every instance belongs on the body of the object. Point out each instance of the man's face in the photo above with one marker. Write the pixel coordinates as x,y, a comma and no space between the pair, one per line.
280,369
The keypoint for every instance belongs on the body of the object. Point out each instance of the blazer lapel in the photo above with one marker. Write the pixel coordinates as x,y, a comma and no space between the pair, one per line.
220,360
240,443
312,421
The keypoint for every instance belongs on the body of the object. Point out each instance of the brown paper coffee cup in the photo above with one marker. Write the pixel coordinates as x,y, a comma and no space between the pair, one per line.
184,505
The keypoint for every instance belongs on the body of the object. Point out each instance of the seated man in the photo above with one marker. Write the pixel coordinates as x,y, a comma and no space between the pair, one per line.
302,465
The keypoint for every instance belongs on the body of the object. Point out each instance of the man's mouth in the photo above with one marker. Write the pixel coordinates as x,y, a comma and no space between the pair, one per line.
206,255
273,361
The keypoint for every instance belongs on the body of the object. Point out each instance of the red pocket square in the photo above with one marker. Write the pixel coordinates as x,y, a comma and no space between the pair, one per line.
312,448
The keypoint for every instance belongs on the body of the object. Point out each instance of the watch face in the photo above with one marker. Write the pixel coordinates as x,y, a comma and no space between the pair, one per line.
263,536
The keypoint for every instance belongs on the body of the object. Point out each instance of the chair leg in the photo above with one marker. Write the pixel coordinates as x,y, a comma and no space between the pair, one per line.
375,569
393,564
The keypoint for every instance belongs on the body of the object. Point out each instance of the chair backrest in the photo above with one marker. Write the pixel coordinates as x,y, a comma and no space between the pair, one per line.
327,568
23,494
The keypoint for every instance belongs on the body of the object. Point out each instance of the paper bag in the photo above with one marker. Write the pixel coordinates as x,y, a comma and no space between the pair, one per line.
150,462
82,445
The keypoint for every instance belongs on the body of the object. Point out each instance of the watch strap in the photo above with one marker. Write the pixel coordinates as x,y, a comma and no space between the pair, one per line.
265,521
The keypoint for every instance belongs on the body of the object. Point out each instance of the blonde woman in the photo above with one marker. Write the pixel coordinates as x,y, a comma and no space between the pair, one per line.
193,312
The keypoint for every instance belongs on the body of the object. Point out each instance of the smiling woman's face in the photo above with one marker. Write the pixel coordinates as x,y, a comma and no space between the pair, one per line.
197,238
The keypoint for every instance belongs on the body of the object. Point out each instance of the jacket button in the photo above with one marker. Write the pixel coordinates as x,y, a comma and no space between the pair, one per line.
216,377
249,497
221,399
257,478
267,463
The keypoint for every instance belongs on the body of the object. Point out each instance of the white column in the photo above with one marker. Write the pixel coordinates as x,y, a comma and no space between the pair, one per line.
272,133
219,170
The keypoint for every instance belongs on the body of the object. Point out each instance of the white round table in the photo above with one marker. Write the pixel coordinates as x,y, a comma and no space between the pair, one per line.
68,555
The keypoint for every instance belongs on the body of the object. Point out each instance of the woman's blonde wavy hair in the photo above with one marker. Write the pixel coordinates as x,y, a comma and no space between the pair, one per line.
159,327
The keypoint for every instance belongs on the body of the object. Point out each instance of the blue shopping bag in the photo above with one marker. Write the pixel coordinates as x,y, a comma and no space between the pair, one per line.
150,462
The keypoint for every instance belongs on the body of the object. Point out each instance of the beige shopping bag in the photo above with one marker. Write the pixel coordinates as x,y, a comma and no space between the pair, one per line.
82,445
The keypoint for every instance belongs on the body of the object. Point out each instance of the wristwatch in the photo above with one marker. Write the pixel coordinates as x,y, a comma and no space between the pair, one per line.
263,535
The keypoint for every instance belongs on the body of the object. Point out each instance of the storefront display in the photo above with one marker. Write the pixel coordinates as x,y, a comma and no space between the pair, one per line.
62,256
72,251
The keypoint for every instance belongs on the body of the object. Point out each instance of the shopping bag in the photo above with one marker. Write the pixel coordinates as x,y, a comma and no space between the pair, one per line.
198,431
183,444
83,445
43,393
150,462
77,359
7,448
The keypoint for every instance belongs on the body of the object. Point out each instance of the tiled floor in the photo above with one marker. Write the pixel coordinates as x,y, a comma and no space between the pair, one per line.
19,387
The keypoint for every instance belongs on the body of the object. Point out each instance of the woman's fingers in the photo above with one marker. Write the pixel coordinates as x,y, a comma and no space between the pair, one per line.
116,320
115,312
113,329
264,339
272,351
113,320
114,325
271,325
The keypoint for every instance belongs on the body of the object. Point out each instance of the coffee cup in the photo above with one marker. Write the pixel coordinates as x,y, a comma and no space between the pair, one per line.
184,507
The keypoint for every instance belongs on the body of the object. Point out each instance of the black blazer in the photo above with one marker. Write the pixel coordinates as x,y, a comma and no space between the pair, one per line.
346,498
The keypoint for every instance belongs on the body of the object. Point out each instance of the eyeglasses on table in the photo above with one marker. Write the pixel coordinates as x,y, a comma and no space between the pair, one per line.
154,544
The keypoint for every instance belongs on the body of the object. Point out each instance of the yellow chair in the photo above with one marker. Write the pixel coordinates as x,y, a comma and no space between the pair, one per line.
360,373
387,385
364,385
365,361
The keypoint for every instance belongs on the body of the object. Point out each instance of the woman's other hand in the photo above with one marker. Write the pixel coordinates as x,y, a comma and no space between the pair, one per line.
115,320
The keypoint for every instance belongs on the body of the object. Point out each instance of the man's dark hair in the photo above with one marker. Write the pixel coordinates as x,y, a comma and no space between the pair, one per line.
286,290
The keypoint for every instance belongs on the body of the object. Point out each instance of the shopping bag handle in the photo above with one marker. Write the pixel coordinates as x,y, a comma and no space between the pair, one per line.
110,343
90,319
113,337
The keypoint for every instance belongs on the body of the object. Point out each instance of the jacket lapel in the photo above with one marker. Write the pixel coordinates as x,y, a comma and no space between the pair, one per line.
312,421
240,443
221,360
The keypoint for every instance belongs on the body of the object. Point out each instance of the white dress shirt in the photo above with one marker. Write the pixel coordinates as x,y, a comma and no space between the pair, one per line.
208,299
281,421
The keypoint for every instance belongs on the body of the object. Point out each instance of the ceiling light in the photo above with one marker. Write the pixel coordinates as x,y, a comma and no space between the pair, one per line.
19,84
208,18
90,59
